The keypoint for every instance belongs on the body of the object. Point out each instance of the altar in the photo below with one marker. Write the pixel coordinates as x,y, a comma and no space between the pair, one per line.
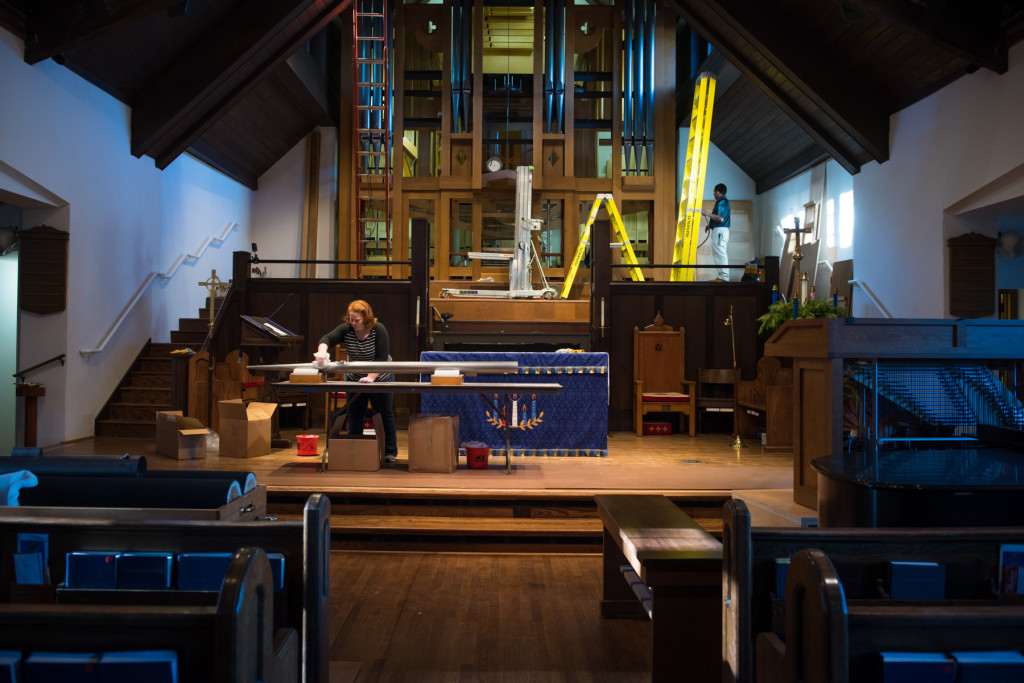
572,423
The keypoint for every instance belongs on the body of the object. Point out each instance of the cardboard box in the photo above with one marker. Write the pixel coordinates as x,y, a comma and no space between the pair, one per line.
244,429
446,379
306,379
179,437
362,453
433,443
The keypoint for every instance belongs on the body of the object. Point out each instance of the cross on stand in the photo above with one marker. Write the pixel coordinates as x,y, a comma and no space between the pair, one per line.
797,256
212,284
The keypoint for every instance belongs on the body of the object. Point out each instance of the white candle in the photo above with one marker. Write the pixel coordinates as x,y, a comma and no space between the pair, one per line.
602,311
417,311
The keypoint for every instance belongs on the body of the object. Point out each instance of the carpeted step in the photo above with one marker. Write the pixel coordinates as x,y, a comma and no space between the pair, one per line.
136,412
154,364
155,395
200,325
192,339
160,380
127,428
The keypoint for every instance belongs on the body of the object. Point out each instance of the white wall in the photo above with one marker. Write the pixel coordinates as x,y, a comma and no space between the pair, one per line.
720,169
199,204
788,199
73,140
943,149
278,206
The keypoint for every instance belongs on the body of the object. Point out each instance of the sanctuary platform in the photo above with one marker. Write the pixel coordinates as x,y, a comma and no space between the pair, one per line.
546,503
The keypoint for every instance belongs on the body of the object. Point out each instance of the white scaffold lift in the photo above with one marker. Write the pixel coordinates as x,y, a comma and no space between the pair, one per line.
522,259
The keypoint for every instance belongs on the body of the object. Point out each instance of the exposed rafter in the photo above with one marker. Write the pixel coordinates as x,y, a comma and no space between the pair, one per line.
59,26
804,160
721,29
969,30
177,107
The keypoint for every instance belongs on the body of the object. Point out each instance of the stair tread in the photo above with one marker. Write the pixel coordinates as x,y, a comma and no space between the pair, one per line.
139,404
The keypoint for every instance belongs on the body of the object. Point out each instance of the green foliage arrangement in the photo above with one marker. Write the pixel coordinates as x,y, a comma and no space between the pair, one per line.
781,311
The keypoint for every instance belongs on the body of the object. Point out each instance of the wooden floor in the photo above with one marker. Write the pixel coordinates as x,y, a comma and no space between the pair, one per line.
666,463
471,605
444,617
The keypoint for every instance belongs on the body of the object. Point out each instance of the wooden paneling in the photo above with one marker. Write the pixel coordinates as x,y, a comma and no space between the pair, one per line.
43,270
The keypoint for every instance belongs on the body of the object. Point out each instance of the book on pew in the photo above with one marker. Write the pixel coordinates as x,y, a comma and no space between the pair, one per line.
144,571
91,569
10,663
31,562
917,581
206,571
60,667
1011,569
781,570
151,666
990,667
917,667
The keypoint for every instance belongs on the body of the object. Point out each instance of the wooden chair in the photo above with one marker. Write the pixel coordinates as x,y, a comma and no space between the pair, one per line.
716,390
658,368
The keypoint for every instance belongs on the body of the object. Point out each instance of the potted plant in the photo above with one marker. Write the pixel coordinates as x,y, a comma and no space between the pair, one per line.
781,311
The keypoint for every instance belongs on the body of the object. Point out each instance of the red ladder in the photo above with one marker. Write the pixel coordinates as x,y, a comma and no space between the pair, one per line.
371,135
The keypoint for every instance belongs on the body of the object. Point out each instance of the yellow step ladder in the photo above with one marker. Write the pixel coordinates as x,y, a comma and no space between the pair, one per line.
626,248
684,253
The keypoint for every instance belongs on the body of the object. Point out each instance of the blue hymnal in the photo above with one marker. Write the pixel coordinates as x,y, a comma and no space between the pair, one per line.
144,571
202,571
781,570
96,570
277,570
60,667
917,581
990,667
10,666
151,666
917,667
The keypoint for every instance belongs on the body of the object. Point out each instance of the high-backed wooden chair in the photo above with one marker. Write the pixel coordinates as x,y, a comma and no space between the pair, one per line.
658,368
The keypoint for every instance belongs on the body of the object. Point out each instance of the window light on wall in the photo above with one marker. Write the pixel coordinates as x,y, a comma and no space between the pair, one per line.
846,219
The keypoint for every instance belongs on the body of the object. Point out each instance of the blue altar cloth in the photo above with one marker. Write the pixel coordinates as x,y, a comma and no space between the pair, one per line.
571,423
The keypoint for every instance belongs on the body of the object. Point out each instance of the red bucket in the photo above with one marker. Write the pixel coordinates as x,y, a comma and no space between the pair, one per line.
476,457
307,443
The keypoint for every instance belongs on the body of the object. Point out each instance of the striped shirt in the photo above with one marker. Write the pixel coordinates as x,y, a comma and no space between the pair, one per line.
376,347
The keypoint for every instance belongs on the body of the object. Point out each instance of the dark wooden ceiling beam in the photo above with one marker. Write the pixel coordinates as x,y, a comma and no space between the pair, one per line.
974,32
802,161
13,19
840,93
179,106
704,20
305,82
58,27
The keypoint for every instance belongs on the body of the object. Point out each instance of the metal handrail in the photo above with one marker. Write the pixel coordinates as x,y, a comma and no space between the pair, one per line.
191,258
21,373
871,295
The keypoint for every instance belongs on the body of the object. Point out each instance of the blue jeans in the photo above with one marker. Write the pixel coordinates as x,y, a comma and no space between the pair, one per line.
383,405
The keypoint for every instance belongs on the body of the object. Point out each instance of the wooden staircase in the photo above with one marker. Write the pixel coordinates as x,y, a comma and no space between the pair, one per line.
146,387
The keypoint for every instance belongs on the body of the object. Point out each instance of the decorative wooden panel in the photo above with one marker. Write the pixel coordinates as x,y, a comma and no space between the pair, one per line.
43,270
972,276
